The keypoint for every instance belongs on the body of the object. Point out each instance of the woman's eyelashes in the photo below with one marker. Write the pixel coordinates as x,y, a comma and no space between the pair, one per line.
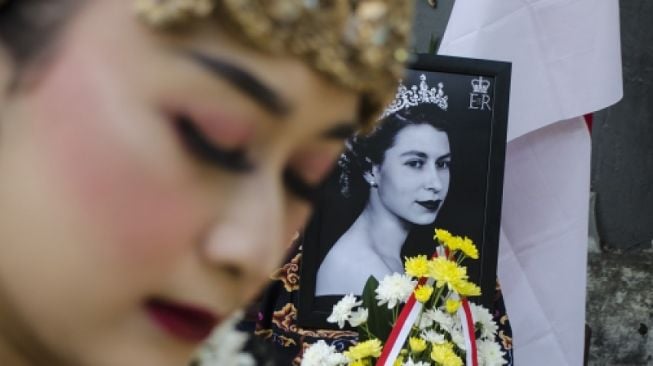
415,164
443,164
234,160
419,164
297,186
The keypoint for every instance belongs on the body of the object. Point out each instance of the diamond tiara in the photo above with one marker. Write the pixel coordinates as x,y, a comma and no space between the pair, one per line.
407,98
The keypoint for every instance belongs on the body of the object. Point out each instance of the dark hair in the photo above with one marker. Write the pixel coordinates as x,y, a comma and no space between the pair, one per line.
29,27
364,151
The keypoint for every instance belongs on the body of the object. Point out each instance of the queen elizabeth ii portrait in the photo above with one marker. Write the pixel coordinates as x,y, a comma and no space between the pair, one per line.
430,162
404,165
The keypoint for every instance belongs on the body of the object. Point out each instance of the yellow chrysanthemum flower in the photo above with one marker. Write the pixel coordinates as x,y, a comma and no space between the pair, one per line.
467,246
442,235
423,293
444,355
417,345
369,348
446,272
417,266
399,361
365,362
457,243
452,306
465,288
453,243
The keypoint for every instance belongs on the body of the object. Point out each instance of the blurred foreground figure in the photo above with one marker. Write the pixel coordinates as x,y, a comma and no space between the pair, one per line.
156,157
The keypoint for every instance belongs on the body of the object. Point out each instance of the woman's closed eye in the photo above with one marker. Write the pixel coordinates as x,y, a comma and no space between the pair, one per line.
299,188
308,169
302,177
233,159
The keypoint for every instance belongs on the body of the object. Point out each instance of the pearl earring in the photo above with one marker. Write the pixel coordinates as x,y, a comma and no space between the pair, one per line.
373,184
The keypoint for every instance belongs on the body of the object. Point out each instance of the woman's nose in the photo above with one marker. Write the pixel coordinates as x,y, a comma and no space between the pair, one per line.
433,180
245,241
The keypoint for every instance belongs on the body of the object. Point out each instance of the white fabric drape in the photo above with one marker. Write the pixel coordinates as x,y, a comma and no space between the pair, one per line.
566,63
565,54
542,255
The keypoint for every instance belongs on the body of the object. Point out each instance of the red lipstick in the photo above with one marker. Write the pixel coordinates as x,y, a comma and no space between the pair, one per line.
185,322
430,205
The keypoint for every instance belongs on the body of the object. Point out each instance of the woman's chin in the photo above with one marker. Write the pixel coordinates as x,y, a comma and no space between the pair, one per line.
145,353
136,343
423,219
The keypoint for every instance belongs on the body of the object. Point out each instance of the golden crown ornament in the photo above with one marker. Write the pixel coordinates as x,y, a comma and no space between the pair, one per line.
360,44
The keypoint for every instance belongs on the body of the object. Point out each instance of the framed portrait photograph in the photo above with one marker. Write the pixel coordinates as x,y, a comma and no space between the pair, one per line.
434,160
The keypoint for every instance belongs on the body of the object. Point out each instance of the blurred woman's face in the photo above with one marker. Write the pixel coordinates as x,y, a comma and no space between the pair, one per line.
413,179
142,187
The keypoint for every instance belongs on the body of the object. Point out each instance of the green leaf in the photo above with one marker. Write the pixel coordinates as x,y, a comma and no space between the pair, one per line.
434,44
379,318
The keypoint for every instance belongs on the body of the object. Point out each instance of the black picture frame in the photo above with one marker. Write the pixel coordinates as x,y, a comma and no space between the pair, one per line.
472,209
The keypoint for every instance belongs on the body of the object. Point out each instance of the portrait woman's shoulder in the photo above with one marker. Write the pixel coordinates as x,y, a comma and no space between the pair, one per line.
347,255
338,260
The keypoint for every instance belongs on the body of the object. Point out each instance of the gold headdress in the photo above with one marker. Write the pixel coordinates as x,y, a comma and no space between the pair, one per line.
361,44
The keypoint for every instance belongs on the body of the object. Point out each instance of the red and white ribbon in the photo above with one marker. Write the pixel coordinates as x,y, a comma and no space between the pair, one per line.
467,321
409,315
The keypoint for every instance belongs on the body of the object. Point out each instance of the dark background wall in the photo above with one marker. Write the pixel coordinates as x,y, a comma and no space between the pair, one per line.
430,22
619,296
622,141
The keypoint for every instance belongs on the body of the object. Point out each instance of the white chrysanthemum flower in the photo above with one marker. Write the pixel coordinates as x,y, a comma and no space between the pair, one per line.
457,337
342,310
395,289
321,354
484,319
358,317
432,336
225,345
490,354
445,321
410,362
425,321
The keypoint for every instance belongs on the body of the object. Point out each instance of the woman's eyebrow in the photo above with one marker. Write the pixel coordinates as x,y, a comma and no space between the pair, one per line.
242,80
446,156
419,154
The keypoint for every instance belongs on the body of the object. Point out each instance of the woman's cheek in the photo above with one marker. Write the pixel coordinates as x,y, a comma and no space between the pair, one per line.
141,211
298,213
112,168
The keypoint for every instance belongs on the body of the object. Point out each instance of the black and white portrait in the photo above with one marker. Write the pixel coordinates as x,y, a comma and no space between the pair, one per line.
403,170
434,160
